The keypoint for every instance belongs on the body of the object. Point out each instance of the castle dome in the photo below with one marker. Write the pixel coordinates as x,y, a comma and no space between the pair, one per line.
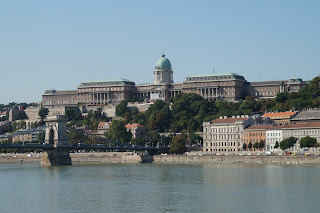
163,63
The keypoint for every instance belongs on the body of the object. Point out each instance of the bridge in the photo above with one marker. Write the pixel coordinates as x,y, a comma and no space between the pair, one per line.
71,147
56,148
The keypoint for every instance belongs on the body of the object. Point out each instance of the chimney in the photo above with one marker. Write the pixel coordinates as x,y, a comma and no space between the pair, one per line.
233,116
238,116
220,117
225,117
242,116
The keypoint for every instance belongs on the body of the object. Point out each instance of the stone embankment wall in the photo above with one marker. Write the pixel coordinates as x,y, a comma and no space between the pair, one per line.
113,158
108,158
286,160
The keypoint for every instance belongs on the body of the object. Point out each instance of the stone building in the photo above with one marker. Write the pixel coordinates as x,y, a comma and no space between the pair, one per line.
301,130
220,86
273,134
225,134
281,118
307,116
254,134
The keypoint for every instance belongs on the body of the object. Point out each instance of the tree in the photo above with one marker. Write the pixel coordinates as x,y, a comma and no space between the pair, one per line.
261,144
118,132
41,136
256,145
276,146
307,142
250,146
287,143
43,112
194,138
244,147
178,144
121,108
76,136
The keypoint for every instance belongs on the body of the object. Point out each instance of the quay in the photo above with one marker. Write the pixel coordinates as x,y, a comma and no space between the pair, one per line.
131,158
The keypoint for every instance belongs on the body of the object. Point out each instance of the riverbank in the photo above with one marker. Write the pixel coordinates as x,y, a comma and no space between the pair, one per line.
131,158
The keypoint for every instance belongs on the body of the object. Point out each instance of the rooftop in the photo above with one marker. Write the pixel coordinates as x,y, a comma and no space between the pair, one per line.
214,75
111,80
307,115
257,127
276,114
227,120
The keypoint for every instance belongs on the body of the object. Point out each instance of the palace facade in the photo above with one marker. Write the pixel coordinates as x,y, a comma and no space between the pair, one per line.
216,86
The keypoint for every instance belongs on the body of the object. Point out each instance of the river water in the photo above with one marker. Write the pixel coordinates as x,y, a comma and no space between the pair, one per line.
159,188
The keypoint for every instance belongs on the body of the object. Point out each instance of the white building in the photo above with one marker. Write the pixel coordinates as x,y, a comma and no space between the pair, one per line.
273,134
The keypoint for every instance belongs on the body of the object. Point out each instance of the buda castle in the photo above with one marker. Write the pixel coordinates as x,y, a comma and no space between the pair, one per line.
216,86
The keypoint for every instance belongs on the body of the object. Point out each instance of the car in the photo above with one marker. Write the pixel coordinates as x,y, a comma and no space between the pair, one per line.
280,153
249,153
258,153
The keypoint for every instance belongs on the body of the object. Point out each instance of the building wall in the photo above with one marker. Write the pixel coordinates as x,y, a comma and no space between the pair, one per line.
253,136
272,136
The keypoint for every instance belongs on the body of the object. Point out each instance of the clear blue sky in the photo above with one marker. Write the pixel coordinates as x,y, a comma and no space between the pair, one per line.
59,44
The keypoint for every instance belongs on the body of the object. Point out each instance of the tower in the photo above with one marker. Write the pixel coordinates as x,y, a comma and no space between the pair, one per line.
163,73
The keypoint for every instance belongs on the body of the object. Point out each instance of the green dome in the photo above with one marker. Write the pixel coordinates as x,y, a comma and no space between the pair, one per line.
163,63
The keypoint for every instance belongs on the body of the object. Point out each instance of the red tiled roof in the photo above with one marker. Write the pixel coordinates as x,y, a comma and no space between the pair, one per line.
274,114
227,120
274,127
313,125
261,127
133,125
294,126
101,124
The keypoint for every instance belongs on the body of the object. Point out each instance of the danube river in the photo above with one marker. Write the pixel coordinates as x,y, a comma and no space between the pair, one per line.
160,188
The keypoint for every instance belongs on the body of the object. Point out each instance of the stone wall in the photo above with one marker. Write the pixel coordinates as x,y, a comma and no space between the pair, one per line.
32,113
296,160
118,157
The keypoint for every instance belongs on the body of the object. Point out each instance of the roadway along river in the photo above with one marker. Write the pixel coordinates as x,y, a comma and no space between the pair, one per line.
160,188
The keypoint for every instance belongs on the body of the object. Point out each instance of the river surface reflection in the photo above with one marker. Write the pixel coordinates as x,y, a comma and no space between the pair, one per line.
160,188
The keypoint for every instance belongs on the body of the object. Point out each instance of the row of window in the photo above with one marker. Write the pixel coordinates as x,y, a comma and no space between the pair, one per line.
101,89
210,78
222,144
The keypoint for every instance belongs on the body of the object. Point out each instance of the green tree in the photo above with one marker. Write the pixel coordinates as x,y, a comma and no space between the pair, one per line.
76,136
250,146
276,146
73,114
43,112
256,145
307,142
41,136
262,144
121,108
244,147
193,138
178,144
118,132
287,143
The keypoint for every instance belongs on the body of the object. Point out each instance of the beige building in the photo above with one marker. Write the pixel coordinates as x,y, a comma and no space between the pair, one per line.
280,117
220,86
301,130
225,134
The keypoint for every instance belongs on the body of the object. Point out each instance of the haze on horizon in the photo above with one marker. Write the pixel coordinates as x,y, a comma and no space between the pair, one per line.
60,44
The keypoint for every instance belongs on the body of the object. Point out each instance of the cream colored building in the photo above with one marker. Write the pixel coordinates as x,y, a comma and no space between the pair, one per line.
219,86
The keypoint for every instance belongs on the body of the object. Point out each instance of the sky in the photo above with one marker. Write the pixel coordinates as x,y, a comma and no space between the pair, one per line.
59,44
